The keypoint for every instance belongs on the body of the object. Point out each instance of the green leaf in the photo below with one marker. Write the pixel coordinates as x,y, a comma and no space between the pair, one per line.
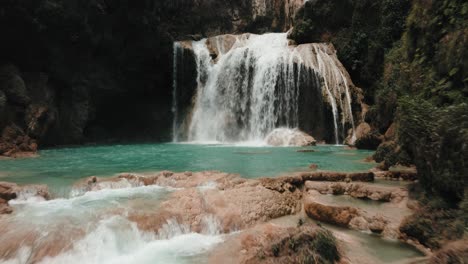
453,72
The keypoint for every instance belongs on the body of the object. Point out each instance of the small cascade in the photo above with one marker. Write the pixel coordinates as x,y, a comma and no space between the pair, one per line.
335,85
248,85
175,107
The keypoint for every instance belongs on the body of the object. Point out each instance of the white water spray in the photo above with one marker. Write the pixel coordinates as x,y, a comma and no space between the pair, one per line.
175,107
248,85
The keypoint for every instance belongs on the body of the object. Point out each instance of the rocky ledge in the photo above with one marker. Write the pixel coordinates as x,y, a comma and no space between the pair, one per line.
350,217
234,204
11,191
270,243
360,190
238,203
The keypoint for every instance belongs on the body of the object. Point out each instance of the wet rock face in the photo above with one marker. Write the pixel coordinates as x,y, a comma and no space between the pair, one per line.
13,85
10,191
14,142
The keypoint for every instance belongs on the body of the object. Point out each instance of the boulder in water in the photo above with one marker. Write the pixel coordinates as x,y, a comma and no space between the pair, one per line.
338,215
289,137
313,166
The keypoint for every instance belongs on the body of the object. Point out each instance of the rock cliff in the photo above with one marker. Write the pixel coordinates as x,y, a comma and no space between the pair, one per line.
73,72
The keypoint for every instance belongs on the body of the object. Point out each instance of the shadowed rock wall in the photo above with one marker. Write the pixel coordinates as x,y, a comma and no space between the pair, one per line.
93,71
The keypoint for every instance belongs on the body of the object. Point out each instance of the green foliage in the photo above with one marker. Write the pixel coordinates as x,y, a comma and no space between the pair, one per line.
325,245
387,153
434,226
425,78
362,31
435,138
411,59
275,249
308,246
436,42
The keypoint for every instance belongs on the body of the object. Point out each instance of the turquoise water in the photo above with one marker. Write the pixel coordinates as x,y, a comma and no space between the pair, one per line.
62,167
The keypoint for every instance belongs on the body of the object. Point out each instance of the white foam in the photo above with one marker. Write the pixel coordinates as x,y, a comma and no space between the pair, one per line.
117,240
254,87
85,208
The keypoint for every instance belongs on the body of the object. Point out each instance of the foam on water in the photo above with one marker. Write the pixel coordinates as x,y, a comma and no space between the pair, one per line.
36,213
117,240
109,237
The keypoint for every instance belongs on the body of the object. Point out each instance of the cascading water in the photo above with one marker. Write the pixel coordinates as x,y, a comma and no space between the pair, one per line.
176,51
248,85
96,227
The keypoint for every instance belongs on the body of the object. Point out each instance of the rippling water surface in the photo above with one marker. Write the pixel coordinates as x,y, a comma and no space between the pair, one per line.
59,168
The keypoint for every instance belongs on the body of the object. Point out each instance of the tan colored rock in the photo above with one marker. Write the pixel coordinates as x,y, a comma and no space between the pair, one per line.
222,44
313,166
7,190
378,224
405,173
363,129
337,176
337,215
236,207
234,201
359,190
10,191
289,137
269,243
359,223
390,134
4,207
365,137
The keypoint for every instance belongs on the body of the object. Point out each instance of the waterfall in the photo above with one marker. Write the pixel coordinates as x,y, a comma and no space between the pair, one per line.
334,77
248,85
175,134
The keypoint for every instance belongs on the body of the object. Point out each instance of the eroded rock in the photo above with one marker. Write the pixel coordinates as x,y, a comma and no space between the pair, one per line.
10,191
269,243
338,215
337,176
359,190
236,202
